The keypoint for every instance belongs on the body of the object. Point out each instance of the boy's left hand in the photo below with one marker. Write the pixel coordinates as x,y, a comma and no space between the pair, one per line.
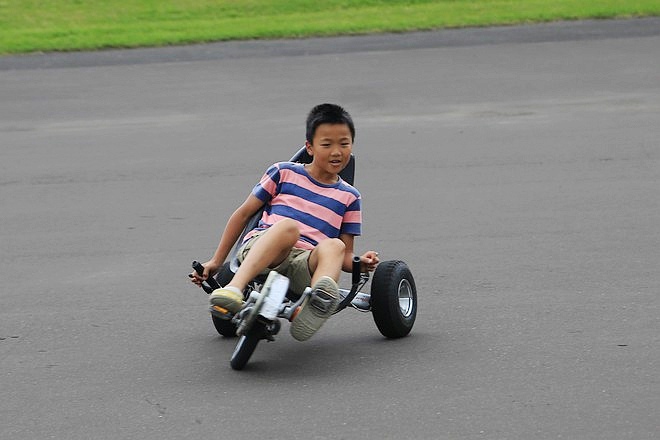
369,261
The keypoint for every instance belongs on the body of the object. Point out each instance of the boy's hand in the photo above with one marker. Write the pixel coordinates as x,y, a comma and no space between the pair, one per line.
209,269
369,261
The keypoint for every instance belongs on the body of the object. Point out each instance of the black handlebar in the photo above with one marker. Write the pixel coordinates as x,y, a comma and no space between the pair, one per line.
356,270
211,283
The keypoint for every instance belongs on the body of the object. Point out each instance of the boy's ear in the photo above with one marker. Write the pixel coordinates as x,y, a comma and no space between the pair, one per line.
308,147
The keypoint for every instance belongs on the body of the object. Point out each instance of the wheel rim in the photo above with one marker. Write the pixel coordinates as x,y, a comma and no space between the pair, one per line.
406,301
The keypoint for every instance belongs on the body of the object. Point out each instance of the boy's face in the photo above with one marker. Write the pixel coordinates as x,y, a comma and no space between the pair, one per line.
331,148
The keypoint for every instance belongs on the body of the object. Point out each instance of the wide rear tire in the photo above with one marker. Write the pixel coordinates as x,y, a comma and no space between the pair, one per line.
224,327
393,299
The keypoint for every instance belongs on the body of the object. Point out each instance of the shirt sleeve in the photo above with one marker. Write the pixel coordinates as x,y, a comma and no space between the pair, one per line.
352,222
269,184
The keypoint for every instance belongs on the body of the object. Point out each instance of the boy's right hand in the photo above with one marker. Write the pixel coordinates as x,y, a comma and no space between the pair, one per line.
210,268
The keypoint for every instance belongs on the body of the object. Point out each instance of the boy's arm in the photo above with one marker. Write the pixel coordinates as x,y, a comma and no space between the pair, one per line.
232,232
347,264
369,259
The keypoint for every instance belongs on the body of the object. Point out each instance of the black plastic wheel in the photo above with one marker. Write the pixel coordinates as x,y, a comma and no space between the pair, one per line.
246,345
393,299
224,327
224,275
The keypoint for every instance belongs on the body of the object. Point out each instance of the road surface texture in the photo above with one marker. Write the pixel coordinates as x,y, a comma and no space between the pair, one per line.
516,171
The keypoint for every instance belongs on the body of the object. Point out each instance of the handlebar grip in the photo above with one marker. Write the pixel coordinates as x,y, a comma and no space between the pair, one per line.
212,283
356,270
197,266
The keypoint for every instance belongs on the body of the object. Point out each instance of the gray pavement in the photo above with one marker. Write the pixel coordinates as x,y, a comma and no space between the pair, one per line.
518,178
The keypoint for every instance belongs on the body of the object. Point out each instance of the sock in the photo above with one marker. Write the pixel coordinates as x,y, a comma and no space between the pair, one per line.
233,289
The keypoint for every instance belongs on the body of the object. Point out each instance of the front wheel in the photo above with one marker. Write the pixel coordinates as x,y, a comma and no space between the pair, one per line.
246,345
393,299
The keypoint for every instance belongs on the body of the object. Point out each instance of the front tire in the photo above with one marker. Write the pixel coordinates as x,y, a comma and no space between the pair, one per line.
393,299
247,343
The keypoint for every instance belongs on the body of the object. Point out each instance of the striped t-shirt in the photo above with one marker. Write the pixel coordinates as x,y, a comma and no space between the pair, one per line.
322,211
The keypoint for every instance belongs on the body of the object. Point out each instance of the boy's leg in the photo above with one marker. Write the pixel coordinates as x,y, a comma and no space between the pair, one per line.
327,259
325,263
269,250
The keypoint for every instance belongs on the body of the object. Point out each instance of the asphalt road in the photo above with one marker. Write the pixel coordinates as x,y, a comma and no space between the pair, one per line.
516,171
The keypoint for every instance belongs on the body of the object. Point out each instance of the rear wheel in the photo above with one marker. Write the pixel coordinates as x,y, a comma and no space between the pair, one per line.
224,275
225,327
247,343
393,299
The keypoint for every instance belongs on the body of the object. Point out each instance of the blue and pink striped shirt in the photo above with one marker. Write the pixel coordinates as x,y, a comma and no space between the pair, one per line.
322,211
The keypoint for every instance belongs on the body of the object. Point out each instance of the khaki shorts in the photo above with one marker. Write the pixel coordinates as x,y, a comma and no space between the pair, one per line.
295,266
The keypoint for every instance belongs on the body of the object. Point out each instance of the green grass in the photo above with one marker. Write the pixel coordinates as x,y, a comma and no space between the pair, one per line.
65,25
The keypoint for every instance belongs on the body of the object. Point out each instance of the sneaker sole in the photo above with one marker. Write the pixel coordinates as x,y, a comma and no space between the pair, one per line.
232,304
315,310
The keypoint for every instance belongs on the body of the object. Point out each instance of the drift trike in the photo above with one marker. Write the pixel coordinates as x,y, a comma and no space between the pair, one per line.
392,300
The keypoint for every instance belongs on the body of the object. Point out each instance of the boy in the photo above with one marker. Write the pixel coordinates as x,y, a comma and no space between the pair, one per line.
306,233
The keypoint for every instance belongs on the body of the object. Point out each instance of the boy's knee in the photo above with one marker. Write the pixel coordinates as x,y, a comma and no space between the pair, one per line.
287,230
334,245
288,225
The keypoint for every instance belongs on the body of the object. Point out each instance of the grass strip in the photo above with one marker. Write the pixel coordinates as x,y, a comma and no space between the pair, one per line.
68,25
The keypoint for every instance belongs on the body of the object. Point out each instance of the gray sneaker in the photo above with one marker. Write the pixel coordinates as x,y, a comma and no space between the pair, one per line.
316,309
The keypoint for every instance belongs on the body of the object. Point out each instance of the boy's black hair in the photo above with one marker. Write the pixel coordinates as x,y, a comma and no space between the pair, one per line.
328,114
